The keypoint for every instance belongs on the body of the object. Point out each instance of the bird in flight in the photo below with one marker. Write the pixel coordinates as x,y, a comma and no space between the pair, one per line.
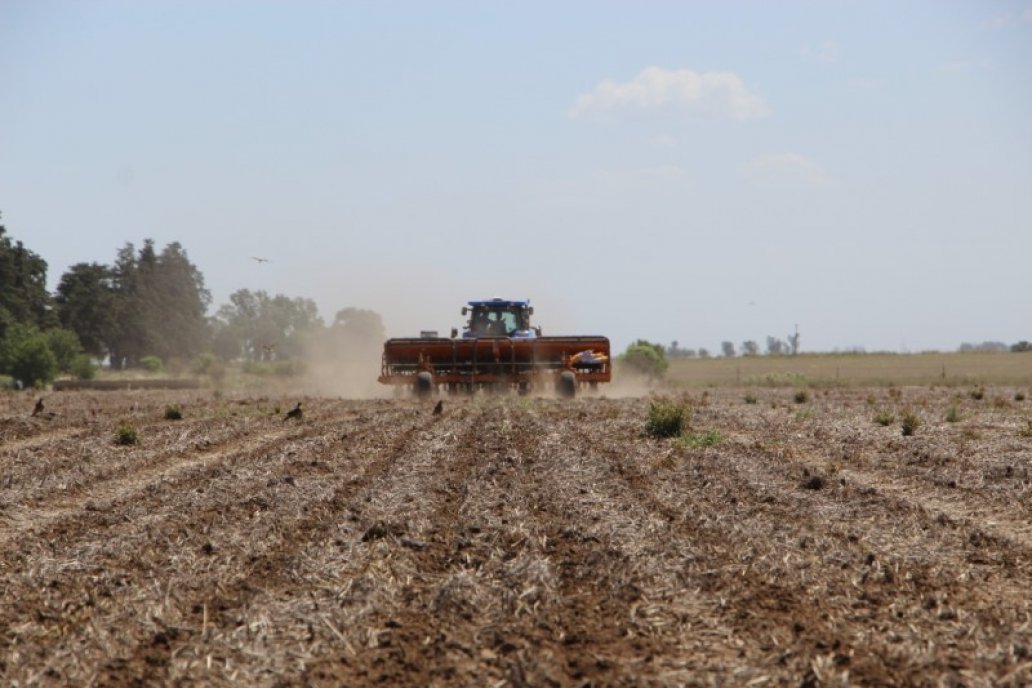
259,260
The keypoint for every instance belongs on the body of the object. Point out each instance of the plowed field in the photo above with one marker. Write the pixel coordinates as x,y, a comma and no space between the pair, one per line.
516,541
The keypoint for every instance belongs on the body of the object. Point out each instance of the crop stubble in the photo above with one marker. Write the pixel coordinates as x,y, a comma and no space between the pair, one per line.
514,541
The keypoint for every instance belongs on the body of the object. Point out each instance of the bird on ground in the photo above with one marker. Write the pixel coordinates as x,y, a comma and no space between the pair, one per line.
259,260
294,413
39,408
439,408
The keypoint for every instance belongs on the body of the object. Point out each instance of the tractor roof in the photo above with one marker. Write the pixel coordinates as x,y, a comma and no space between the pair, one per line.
500,303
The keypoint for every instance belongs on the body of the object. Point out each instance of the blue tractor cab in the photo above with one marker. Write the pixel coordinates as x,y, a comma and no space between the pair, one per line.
499,318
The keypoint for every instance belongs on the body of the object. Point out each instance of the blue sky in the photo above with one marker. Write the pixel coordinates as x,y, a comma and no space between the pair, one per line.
697,171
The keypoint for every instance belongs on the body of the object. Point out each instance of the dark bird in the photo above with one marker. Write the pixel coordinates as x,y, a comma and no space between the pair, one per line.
439,408
259,260
39,408
294,413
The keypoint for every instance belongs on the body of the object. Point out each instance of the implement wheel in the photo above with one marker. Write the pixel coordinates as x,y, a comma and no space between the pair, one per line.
424,384
567,385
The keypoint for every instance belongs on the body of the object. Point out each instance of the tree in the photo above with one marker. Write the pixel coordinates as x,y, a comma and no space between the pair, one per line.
86,304
645,358
1021,346
750,348
793,342
259,327
160,304
775,347
728,349
23,285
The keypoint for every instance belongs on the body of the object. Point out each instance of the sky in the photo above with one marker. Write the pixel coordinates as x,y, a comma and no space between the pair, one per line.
689,171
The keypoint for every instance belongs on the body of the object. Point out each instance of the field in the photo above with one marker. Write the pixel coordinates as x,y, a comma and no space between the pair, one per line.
518,541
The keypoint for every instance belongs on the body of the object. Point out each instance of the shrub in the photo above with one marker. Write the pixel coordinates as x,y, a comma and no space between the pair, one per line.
801,396
152,364
202,363
126,435
977,394
83,368
910,423
694,440
952,415
885,418
25,356
255,368
288,368
750,398
173,412
1019,396
645,358
65,346
667,418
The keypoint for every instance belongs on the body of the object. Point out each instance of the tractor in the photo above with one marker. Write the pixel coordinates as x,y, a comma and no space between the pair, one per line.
498,349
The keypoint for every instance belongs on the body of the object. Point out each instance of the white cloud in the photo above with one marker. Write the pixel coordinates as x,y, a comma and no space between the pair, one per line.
827,52
791,167
1003,20
721,93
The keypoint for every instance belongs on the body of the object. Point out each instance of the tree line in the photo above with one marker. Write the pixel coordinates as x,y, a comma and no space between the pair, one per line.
146,308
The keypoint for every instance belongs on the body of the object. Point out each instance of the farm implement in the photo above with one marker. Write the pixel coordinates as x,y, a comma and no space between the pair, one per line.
497,349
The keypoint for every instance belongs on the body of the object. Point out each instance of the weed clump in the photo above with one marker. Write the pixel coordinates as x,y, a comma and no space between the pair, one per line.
1026,431
885,418
697,440
801,396
126,435
977,394
1019,396
750,398
910,423
173,412
952,415
667,418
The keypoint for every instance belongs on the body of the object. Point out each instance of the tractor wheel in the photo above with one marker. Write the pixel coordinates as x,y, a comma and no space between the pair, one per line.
424,384
567,385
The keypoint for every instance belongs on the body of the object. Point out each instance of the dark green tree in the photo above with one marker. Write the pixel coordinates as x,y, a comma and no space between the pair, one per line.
87,304
160,305
23,285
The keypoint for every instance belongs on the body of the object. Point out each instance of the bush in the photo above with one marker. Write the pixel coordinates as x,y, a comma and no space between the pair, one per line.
25,356
82,367
288,368
910,423
152,364
801,396
173,412
645,358
696,440
255,368
667,418
750,398
203,363
978,394
885,418
65,346
1019,396
126,435
952,415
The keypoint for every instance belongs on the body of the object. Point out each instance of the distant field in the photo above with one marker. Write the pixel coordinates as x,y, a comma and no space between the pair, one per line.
856,370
